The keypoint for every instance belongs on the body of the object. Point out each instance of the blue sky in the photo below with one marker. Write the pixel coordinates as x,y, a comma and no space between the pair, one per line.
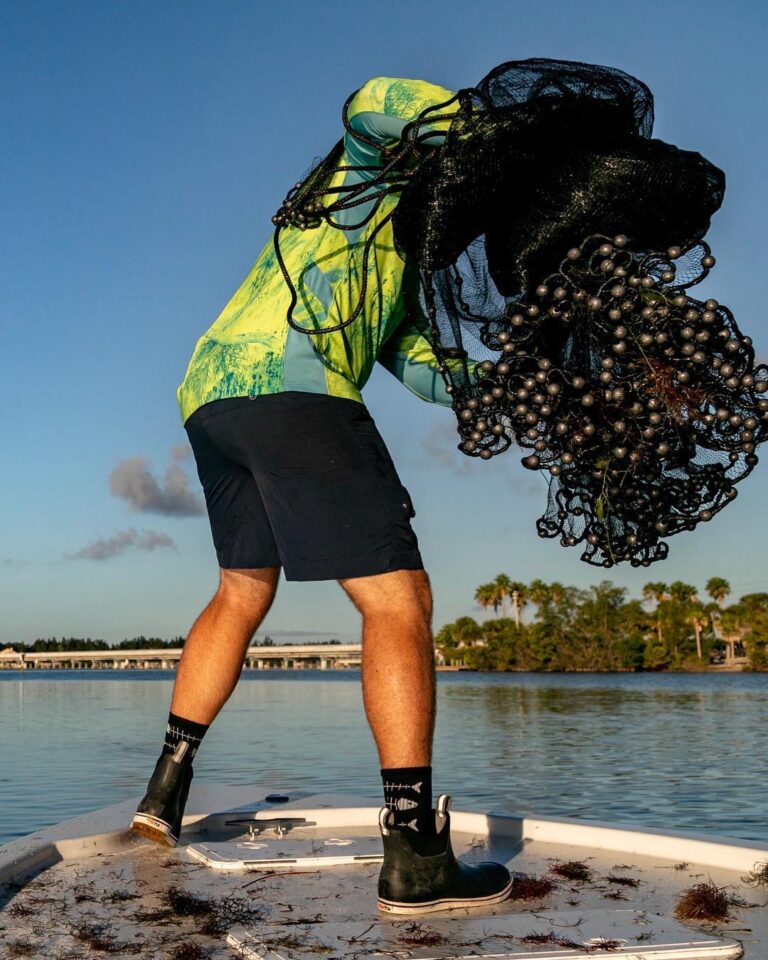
145,147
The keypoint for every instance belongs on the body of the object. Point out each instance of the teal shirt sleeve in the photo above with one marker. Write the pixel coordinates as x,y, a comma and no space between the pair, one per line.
383,106
408,355
379,110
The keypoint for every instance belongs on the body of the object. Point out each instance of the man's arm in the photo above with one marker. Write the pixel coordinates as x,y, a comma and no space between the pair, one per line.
408,355
383,106
380,110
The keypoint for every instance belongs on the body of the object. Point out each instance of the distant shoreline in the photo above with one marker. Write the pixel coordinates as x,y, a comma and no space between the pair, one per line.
10,671
298,657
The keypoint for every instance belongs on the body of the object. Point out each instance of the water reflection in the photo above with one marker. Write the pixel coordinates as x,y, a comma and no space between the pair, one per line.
663,750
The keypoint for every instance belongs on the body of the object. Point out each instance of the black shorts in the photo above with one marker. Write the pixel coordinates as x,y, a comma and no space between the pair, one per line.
303,481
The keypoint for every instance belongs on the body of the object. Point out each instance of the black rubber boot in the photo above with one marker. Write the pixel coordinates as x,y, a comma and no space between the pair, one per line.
412,882
158,816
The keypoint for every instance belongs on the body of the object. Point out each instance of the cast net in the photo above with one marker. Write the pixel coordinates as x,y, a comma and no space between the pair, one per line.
556,244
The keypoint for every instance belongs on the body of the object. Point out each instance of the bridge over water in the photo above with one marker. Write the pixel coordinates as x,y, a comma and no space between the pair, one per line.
311,656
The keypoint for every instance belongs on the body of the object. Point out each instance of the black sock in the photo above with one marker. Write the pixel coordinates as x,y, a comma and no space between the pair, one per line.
408,794
188,731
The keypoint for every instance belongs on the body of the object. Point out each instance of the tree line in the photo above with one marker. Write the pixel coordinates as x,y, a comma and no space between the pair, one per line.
84,644
550,626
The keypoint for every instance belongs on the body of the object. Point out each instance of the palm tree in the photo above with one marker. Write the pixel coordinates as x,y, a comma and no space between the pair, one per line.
552,599
539,593
486,596
497,593
718,589
681,592
698,619
685,596
518,593
656,592
677,609
503,586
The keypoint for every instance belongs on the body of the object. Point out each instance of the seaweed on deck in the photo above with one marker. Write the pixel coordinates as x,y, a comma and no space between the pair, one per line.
290,941
21,948
99,937
758,875
215,915
572,870
19,909
418,935
622,881
189,951
120,896
530,887
551,937
703,901
606,943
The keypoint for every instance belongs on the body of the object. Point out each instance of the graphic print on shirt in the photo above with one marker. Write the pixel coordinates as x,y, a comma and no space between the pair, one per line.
247,350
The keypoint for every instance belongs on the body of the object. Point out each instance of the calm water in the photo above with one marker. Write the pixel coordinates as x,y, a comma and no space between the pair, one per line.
672,751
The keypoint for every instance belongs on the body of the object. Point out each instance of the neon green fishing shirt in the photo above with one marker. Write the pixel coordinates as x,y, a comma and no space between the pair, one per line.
251,349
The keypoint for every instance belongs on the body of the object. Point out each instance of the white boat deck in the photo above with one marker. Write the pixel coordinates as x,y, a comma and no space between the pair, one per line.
88,888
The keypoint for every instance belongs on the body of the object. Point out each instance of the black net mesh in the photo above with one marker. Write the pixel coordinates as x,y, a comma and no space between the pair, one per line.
556,242
643,403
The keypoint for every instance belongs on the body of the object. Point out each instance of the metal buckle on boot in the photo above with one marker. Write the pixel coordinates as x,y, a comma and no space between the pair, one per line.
385,818
444,802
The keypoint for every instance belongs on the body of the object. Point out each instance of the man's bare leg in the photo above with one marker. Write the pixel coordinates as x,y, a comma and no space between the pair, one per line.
419,873
215,649
398,663
209,669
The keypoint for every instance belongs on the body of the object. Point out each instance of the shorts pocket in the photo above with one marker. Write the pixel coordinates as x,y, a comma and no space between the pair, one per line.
406,503
361,428
402,536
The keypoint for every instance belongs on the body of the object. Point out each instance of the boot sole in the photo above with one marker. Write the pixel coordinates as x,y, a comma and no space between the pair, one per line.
446,903
153,829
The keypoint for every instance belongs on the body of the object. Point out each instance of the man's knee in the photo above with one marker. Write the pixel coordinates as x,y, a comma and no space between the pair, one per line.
250,591
402,593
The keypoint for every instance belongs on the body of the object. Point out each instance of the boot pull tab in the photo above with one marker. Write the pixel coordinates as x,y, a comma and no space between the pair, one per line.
385,817
443,805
